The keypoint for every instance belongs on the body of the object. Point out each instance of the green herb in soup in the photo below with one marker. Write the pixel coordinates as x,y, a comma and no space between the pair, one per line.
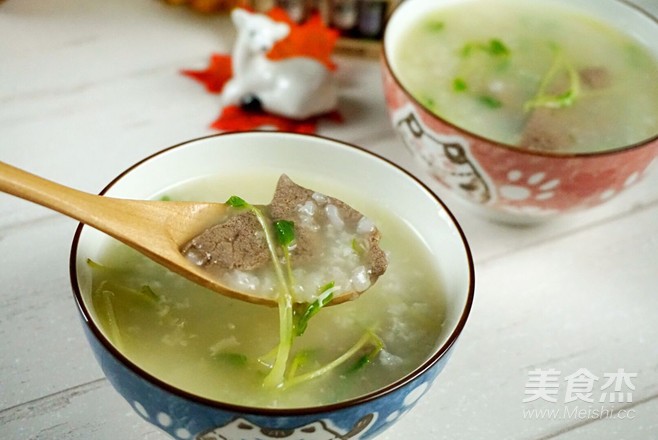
532,74
296,355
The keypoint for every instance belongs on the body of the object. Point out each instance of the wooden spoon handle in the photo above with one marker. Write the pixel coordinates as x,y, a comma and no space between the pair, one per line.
68,201
112,216
157,229
162,225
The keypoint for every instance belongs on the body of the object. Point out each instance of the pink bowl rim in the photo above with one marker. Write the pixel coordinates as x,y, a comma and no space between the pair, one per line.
550,154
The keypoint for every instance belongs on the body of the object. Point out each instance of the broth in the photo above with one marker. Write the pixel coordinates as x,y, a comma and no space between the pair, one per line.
210,345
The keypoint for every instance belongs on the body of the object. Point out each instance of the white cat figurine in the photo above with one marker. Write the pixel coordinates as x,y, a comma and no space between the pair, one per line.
296,87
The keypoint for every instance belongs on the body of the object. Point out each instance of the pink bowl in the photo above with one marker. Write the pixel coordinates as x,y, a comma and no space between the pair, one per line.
508,183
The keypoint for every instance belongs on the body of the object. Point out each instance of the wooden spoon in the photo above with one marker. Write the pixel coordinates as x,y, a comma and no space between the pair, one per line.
156,229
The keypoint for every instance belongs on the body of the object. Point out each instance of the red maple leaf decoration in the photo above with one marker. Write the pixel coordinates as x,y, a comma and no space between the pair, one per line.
234,118
214,76
312,39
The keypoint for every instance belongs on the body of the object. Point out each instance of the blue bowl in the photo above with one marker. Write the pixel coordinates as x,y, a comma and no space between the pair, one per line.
186,416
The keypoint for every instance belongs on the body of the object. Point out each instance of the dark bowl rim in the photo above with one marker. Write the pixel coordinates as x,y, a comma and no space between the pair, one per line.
275,412
552,154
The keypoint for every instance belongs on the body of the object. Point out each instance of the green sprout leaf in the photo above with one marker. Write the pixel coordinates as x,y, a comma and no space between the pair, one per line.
230,358
94,264
303,317
494,47
368,358
357,247
301,359
360,363
121,283
107,313
428,102
148,292
467,49
490,101
459,85
435,26
478,60
545,99
497,48
285,232
165,198
236,202
367,338
120,273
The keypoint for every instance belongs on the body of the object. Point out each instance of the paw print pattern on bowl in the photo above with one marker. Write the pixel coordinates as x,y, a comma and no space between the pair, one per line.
408,402
611,192
163,420
534,187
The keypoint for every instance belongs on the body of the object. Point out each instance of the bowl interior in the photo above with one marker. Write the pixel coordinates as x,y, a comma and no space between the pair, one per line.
383,183
628,18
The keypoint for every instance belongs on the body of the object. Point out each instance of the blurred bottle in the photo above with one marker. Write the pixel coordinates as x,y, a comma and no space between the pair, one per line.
297,10
372,16
343,15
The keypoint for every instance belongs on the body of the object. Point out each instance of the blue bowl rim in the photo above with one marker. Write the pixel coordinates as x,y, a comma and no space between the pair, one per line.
260,411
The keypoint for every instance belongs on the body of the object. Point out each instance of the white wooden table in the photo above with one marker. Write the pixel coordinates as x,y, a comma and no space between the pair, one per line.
89,87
